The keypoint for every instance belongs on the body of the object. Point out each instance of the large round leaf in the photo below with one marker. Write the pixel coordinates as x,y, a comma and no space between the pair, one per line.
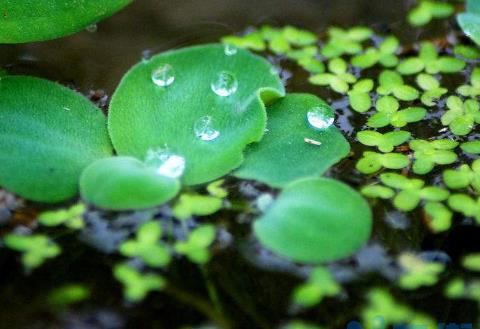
292,148
36,20
122,183
145,115
48,135
315,220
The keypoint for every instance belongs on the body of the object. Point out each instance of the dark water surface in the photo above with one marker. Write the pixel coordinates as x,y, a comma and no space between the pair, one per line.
254,288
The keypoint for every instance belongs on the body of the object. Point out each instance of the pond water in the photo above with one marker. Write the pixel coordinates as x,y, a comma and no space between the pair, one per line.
253,286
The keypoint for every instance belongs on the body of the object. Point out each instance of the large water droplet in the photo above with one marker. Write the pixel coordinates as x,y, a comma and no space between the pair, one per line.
165,162
320,117
225,84
204,129
230,50
163,76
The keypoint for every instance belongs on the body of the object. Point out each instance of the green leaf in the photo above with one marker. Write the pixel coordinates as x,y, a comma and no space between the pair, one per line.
48,135
385,142
472,262
123,183
189,205
208,104
36,249
147,245
137,285
465,205
439,217
307,224
418,273
320,284
372,162
253,41
294,148
195,248
27,21
467,52
472,147
411,65
429,153
470,24
377,191
71,217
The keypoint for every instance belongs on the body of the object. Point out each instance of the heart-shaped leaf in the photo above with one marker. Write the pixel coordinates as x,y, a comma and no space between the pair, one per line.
48,135
299,142
315,220
203,103
122,183
26,21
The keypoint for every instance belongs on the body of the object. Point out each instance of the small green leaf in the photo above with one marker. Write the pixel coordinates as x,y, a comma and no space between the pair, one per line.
35,249
195,248
147,245
320,284
27,21
137,285
418,273
197,101
472,147
377,191
428,154
439,216
411,65
48,135
71,217
306,223
466,52
472,262
465,205
292,147
190,205
123,183
385,142
372,162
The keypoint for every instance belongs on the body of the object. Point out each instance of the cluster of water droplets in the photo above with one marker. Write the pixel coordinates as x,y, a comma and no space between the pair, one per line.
320,117
165,162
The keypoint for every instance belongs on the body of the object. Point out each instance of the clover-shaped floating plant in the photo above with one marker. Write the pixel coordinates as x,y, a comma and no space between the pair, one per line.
417,272
35,249
432,90
426,10
195,247
26,21
429,60
342,41
136,284
412,191
301,141
320,284
388,113
464,176
359,96
466,205
461,117
71,217
147,245
427,154
385,54
372,162
338,78
385,142
473,89
392,83
469,21
303,224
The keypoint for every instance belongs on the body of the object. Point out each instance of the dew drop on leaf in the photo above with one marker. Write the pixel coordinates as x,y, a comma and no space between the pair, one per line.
320,117
166,163
225,84
163,76
230,50
205,130
92,28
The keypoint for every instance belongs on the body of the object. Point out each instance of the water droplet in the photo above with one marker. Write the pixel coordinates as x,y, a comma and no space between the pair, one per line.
166,162
225,85
146,55
67,108
205,130
163,76
230,50
320,117
92,28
